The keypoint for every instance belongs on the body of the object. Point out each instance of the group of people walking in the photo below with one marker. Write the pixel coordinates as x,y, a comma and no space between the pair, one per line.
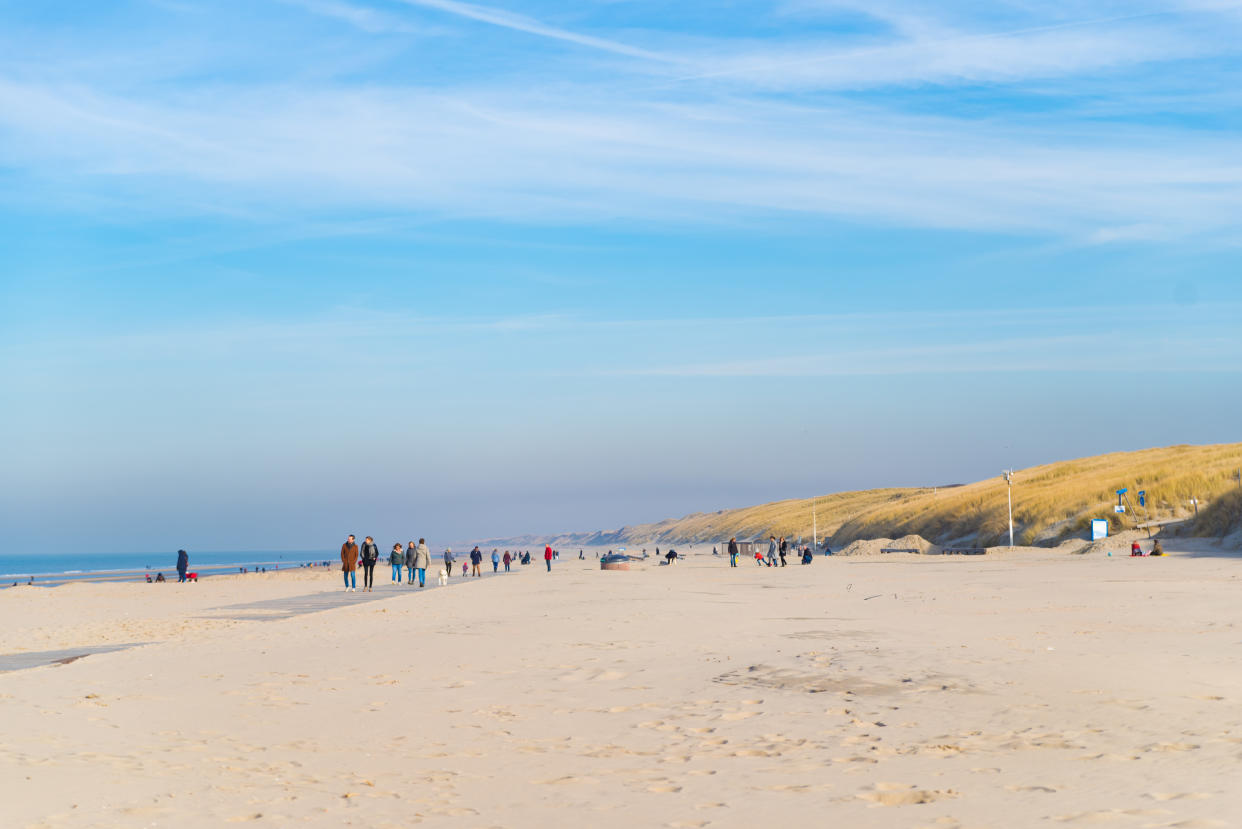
778,549
415,559
411,562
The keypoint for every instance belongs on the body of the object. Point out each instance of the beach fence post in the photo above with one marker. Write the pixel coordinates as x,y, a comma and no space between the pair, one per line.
1009,481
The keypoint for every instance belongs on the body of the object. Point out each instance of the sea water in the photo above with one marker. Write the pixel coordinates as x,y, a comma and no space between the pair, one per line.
62,567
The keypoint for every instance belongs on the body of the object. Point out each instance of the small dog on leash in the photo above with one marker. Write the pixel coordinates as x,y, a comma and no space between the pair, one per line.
443,577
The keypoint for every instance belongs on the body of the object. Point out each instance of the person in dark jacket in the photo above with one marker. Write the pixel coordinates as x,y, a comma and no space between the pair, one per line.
183,563
448,561
476,558
370,555
783,550
349,564
733,552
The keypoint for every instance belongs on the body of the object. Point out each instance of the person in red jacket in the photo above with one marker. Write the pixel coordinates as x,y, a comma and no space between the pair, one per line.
547,557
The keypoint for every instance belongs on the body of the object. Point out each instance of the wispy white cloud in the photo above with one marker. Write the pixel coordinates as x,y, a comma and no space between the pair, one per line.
364,18
531,26
577,157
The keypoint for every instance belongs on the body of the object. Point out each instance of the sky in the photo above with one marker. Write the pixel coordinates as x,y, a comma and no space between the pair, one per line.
275,271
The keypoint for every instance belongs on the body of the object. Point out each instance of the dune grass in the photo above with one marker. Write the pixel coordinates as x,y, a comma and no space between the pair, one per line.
1050,503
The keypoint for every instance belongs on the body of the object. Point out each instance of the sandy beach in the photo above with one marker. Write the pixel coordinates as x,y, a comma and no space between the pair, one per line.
1023,689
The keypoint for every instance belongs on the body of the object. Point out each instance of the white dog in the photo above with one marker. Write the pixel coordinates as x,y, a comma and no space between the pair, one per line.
443,577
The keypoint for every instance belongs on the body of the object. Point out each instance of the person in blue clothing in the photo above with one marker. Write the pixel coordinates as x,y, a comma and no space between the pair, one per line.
495,561
183,564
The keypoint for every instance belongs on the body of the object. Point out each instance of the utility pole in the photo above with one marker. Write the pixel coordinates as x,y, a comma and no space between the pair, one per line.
1009,481
814,527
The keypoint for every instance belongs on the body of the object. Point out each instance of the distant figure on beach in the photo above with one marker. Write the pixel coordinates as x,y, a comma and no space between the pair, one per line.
422,560
526,556
370,555
547,556
670,556
158,577
783,548
733,552
411,553
396,560
772,548
1156,549
581,557
806,556
448,560
507,559
183,564
1136,549
476,558
495,560
349,564
714,551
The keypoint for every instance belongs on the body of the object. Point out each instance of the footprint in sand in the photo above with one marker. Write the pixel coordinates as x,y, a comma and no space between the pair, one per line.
738,715
899,794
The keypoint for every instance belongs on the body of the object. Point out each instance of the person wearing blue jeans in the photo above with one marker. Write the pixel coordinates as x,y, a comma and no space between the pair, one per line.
396,560
422,559
495,561
349,563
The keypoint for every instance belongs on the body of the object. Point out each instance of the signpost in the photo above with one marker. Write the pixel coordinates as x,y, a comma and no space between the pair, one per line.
1009,480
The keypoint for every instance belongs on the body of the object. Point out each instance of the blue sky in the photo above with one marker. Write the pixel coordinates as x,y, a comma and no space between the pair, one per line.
277,271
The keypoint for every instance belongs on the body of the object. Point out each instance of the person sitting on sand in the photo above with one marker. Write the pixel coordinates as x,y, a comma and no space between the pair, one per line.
158,577
1156,549
1136,549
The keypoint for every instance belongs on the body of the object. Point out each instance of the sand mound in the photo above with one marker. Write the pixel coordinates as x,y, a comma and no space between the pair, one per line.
867,547
915,542
875,546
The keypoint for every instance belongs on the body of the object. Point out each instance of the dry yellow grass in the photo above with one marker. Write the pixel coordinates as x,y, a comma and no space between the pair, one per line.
1051,503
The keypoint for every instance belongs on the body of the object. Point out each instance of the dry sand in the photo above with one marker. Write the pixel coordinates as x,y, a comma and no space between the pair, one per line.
1034,688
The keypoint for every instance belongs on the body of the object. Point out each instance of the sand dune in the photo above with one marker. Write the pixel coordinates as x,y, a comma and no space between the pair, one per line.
1039,688
1053,502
